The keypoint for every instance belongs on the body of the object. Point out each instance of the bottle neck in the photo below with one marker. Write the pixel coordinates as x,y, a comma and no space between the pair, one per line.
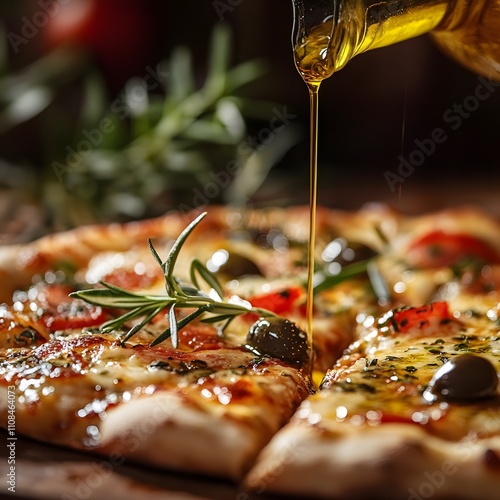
470,34
328,33
462,12
390,22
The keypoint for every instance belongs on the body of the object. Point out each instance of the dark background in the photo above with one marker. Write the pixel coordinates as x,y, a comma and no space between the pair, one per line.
363,108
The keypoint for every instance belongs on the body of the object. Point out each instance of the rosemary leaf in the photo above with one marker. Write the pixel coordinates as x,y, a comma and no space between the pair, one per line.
119,290
155,254
193,302
378,283
223,308
347,272
226,324
216,319
169,264
106,299
208,277
180,324
116,323
220,48
143,323
383,238
193,292
174,330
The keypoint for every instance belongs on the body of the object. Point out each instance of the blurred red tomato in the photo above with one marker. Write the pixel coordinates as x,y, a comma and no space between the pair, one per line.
121,34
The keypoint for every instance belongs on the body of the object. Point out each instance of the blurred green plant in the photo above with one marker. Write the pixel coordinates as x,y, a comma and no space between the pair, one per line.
160,145
175,144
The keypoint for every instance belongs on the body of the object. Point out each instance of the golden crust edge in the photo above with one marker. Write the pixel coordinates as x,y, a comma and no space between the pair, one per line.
390,461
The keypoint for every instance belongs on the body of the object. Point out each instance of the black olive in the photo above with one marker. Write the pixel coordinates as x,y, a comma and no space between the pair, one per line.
279,338
344,253
233,265
271,238
27,337
464,378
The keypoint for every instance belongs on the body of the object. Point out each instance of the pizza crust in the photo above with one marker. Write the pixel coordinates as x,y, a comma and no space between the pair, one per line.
163,431
19,263
390,461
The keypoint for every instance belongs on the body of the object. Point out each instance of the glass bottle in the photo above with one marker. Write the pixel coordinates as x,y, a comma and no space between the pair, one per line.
328,33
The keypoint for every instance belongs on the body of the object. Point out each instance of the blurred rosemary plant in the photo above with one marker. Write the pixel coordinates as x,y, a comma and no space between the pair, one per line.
154,151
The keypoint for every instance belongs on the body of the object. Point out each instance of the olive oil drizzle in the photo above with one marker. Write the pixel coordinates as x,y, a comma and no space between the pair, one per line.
313,194
313,60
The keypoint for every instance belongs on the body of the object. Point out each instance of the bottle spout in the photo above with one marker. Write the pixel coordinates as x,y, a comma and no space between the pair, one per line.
308,14
324,36
312,36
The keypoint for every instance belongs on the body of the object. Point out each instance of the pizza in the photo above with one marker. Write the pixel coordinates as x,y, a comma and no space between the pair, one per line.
410,410
396,395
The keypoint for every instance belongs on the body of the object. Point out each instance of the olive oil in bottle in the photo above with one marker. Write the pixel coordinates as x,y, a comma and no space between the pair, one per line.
470,33
334,31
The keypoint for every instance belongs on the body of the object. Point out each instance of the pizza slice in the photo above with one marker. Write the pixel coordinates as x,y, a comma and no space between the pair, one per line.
155,384
411,410
159,405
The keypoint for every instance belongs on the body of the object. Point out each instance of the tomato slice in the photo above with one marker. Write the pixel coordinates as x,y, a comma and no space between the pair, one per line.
131,280
408,319
392,418
60,312
441,249
280,302
74,314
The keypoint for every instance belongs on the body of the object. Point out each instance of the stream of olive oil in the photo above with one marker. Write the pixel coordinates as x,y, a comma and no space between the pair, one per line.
313,195
314,67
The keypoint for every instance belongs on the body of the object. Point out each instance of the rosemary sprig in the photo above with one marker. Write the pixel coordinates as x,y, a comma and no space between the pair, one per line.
178,296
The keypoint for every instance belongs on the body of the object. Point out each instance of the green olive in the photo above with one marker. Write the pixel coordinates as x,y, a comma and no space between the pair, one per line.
279,338
232,264
464,378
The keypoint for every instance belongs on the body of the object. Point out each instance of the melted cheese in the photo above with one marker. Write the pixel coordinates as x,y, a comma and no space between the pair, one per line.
369,433
71,384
